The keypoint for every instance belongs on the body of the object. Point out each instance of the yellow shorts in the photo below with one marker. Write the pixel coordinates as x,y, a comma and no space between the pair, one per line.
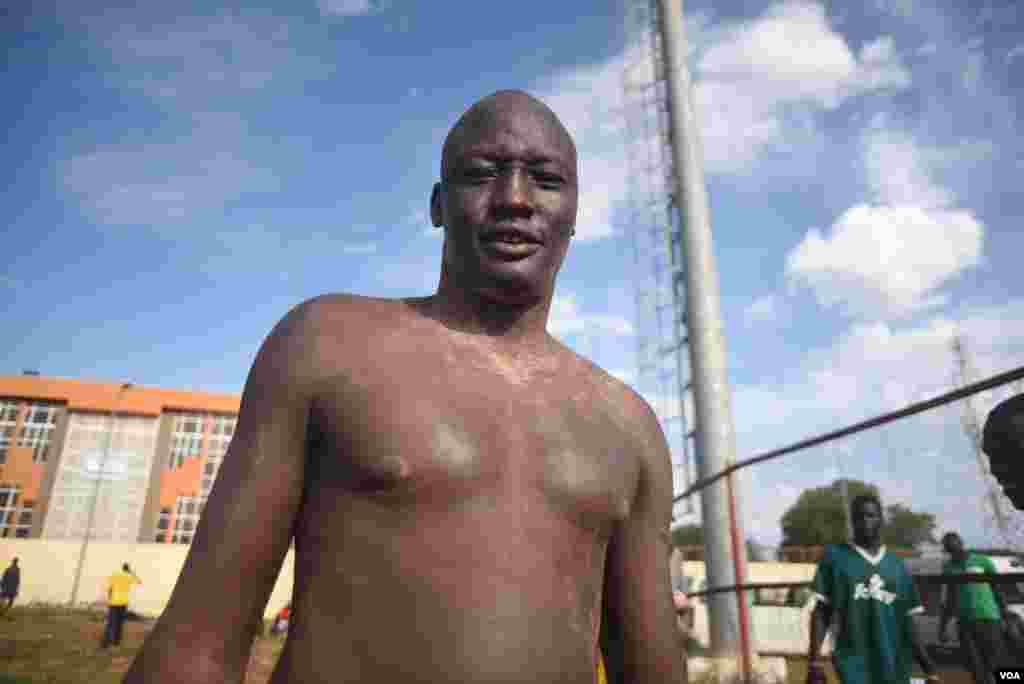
602,676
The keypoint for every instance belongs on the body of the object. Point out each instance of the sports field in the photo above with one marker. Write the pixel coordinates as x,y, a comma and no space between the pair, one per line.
53,645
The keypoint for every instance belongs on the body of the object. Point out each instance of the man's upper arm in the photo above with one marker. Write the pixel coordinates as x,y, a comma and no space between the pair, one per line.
821,586
246,527
638,581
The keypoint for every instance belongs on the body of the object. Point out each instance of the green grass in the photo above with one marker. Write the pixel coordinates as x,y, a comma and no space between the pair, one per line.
47,644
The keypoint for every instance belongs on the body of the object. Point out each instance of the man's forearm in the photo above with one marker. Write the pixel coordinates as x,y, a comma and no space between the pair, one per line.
920,652
819,628
947,615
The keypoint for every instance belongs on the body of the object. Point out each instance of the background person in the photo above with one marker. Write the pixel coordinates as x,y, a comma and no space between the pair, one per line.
979,608
872,598
119,587
9,586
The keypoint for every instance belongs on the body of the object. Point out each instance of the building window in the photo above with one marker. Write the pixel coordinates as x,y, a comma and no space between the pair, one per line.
6,439
163,523
189,510
186,438
8,419
223,426
9,510
24,522
8,412
40,419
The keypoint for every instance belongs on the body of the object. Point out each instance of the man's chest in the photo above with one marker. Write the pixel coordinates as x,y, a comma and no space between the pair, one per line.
866,584
434,437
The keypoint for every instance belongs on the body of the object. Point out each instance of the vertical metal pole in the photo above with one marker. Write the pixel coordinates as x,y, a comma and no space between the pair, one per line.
95,496
715,440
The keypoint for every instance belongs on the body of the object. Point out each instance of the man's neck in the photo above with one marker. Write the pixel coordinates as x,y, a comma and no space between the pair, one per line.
477,314
871,547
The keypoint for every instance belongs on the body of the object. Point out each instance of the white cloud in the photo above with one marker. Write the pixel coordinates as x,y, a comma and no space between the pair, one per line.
153,183
566,319
871,369
898,172
587,100
763,308
344,8
196,61
888,260
875,367
199,70
755,81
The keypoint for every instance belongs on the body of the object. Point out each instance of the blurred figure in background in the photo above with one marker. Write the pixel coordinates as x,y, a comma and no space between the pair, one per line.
9,585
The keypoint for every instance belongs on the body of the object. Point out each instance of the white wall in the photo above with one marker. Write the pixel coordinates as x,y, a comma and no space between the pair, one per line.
48,572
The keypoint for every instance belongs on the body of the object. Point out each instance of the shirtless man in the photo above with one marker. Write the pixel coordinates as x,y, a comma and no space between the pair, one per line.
467,496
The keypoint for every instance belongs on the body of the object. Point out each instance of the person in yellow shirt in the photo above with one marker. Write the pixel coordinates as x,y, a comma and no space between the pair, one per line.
119,586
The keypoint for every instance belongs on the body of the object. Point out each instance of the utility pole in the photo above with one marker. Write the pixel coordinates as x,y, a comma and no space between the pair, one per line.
725,552
96,493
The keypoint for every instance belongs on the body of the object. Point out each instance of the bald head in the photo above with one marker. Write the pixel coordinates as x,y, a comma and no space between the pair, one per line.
491,111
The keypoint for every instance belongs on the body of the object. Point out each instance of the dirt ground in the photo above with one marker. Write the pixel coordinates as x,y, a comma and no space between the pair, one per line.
52,645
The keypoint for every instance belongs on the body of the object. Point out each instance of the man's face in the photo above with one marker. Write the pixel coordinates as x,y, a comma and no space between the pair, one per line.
867,522
953,545
508,201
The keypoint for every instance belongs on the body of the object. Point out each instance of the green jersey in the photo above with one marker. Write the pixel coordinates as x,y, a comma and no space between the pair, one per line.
871,598
974,601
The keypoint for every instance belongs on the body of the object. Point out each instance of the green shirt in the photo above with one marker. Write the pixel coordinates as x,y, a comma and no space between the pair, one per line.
975,601
871,597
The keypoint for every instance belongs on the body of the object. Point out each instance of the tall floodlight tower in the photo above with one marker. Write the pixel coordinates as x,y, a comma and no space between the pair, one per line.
681,340
662,363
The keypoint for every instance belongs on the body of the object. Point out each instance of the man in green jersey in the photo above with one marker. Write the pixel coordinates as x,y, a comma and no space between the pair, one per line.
979,609
871,597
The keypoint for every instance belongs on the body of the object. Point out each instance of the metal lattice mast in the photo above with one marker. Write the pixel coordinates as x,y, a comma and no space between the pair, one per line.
673,238
662,366
992,507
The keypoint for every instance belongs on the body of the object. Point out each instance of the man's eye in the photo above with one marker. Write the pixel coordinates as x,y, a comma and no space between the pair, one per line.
479,174
548,180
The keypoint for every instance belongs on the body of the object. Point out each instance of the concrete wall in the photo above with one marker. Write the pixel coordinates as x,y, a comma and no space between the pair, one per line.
48,572
777,629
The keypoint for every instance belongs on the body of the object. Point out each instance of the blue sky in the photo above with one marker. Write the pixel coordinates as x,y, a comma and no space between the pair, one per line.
183,175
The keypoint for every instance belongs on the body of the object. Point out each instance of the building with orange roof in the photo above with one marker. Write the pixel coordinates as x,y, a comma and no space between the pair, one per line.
129,463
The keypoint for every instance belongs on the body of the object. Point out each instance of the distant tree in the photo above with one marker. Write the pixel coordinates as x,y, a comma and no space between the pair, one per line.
817,517
693,535
688,535
904,527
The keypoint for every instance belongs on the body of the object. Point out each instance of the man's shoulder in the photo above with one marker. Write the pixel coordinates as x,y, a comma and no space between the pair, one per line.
608,388
304,330
335,306
832,554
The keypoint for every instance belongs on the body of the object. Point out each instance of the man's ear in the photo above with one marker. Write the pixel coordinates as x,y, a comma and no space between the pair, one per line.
435,206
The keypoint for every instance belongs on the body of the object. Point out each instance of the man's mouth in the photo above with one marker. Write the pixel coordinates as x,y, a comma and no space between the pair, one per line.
510,244
511,237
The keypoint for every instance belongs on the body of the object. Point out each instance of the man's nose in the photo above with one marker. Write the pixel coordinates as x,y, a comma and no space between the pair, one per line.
514,190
